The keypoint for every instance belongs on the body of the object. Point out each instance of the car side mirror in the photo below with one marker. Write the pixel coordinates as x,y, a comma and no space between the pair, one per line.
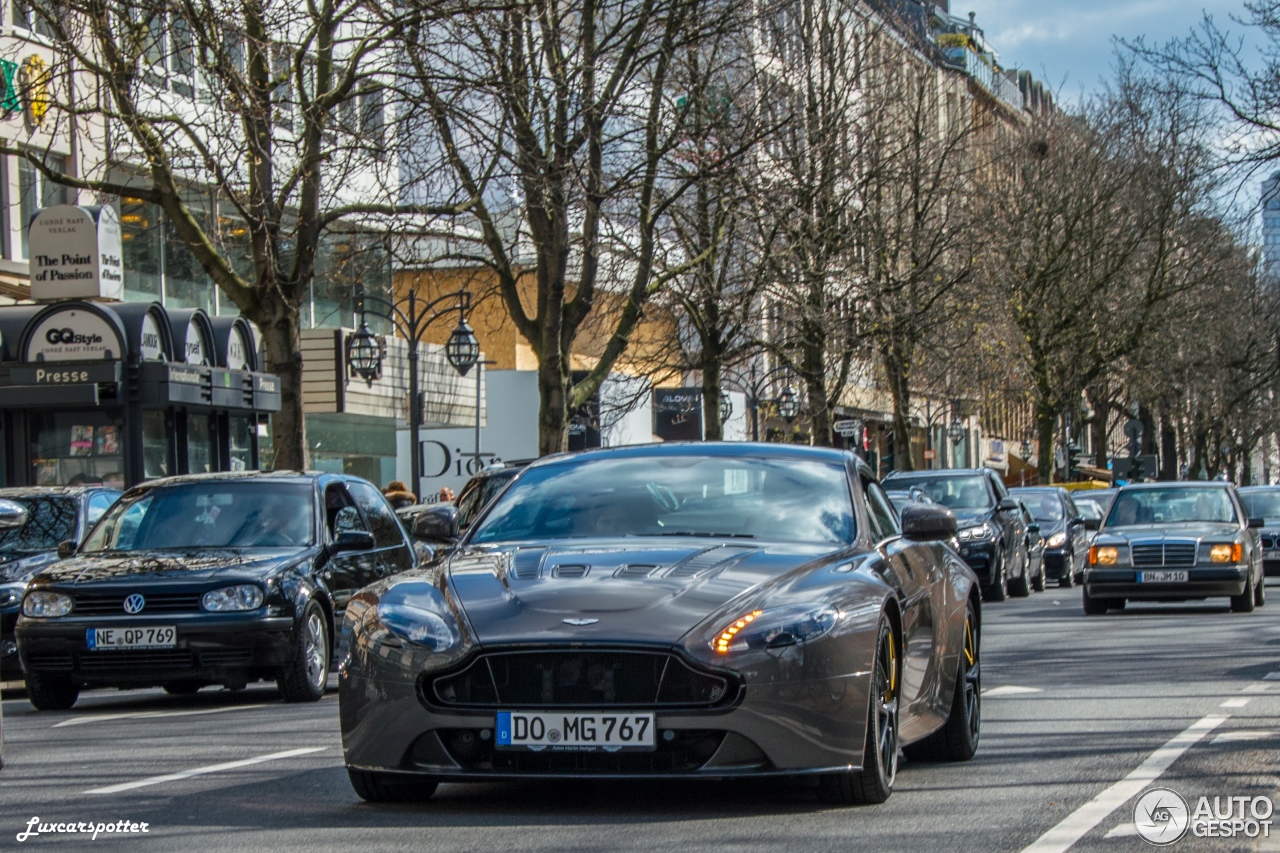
928,522
13,515
1257,523
354,540
67,549
437,523
1007,505
1033,528
1092,523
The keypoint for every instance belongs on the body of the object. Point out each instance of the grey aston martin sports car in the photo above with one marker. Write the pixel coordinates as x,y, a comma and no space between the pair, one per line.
689,611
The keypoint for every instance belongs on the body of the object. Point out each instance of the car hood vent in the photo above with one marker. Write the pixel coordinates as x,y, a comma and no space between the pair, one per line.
526,563
570,571
705,561
636,571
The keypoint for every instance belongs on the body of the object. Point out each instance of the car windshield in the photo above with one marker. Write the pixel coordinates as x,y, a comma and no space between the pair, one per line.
1089,508
953,492
1170,506
50,520
213,514
1044,507
745,497
1262,504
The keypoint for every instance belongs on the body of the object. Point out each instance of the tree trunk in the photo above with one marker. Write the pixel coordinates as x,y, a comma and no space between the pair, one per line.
713,427
1168,449
281,332
820,412
553,406
1098,426
895,368
1045,421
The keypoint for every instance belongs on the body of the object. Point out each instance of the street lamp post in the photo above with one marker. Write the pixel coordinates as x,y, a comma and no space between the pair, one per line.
364,354
755,386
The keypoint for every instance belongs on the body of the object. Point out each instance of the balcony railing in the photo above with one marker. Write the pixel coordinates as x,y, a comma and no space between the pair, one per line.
1001,87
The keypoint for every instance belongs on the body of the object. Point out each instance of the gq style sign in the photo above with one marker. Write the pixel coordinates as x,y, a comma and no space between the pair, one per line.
75,253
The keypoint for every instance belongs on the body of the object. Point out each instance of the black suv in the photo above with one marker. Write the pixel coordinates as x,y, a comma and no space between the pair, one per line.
992,534
209,579
50,515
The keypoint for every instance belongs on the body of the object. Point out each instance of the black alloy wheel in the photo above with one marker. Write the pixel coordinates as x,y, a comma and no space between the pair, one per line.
1245,601
373,787
958,739
51,692
307,673
996,591
873,783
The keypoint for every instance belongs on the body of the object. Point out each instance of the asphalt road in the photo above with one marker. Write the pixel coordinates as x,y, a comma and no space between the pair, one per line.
1080,716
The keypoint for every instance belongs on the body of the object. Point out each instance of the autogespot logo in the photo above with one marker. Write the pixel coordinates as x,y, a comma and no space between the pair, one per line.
1161,816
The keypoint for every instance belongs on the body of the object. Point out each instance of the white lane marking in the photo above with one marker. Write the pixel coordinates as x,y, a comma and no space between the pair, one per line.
1242,736
1075,825
1010,690
1124,830
102,718
1234,703
1272,676
1259,688
200,771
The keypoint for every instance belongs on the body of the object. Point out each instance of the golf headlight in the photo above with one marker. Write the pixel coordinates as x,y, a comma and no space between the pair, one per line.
417,613
771,629
245,596
1057,540
1226,553
45,605
982,531
11,593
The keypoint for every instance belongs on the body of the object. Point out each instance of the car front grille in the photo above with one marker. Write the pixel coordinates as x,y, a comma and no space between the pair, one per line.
573,678
112,604
686,752
1148,554
138,660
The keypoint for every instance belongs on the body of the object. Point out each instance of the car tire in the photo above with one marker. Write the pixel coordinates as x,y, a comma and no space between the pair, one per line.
1260,592
388,788
996,591
1244,602
873,783
183,688
1094,606
51,692
958,739
1037,583
1020,587
305,677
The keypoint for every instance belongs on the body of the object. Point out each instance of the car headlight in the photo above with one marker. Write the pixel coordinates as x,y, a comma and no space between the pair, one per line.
1104,555
244,596
1226,553
11,593
45,605
771,629
1057,540
981,531
418,614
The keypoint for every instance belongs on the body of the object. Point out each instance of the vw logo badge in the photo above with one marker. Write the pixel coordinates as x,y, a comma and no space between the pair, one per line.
580,622
134,603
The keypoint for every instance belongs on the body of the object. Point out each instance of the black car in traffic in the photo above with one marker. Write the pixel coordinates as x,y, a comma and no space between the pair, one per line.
992,533
209,579
1264,502
50,516
1062,527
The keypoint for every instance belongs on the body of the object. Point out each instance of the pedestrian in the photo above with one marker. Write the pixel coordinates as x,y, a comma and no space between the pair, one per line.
446,494
398,495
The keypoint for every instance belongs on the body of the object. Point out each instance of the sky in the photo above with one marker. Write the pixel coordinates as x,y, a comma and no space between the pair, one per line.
1069,44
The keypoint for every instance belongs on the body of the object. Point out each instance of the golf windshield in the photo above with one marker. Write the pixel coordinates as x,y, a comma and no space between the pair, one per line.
1173,505
211,514
748,498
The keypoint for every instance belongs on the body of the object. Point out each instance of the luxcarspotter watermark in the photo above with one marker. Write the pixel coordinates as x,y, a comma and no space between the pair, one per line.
120,827
1163,816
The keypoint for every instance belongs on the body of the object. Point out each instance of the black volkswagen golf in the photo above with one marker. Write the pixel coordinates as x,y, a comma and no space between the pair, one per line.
209,579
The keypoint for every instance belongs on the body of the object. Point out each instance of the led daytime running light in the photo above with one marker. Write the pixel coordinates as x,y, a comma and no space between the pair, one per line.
726,636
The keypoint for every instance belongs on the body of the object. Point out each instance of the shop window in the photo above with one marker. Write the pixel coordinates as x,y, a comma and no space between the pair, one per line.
72,448
199,445
155,445
37,190
241,440
141,238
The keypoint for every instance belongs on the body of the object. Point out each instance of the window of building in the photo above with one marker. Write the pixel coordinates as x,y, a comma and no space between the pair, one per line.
26,16
37,190
372,120
141,238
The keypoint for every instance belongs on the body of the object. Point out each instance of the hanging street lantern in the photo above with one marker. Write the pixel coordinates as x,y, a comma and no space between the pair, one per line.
789,404
955,432
364,354
462,349
726,406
